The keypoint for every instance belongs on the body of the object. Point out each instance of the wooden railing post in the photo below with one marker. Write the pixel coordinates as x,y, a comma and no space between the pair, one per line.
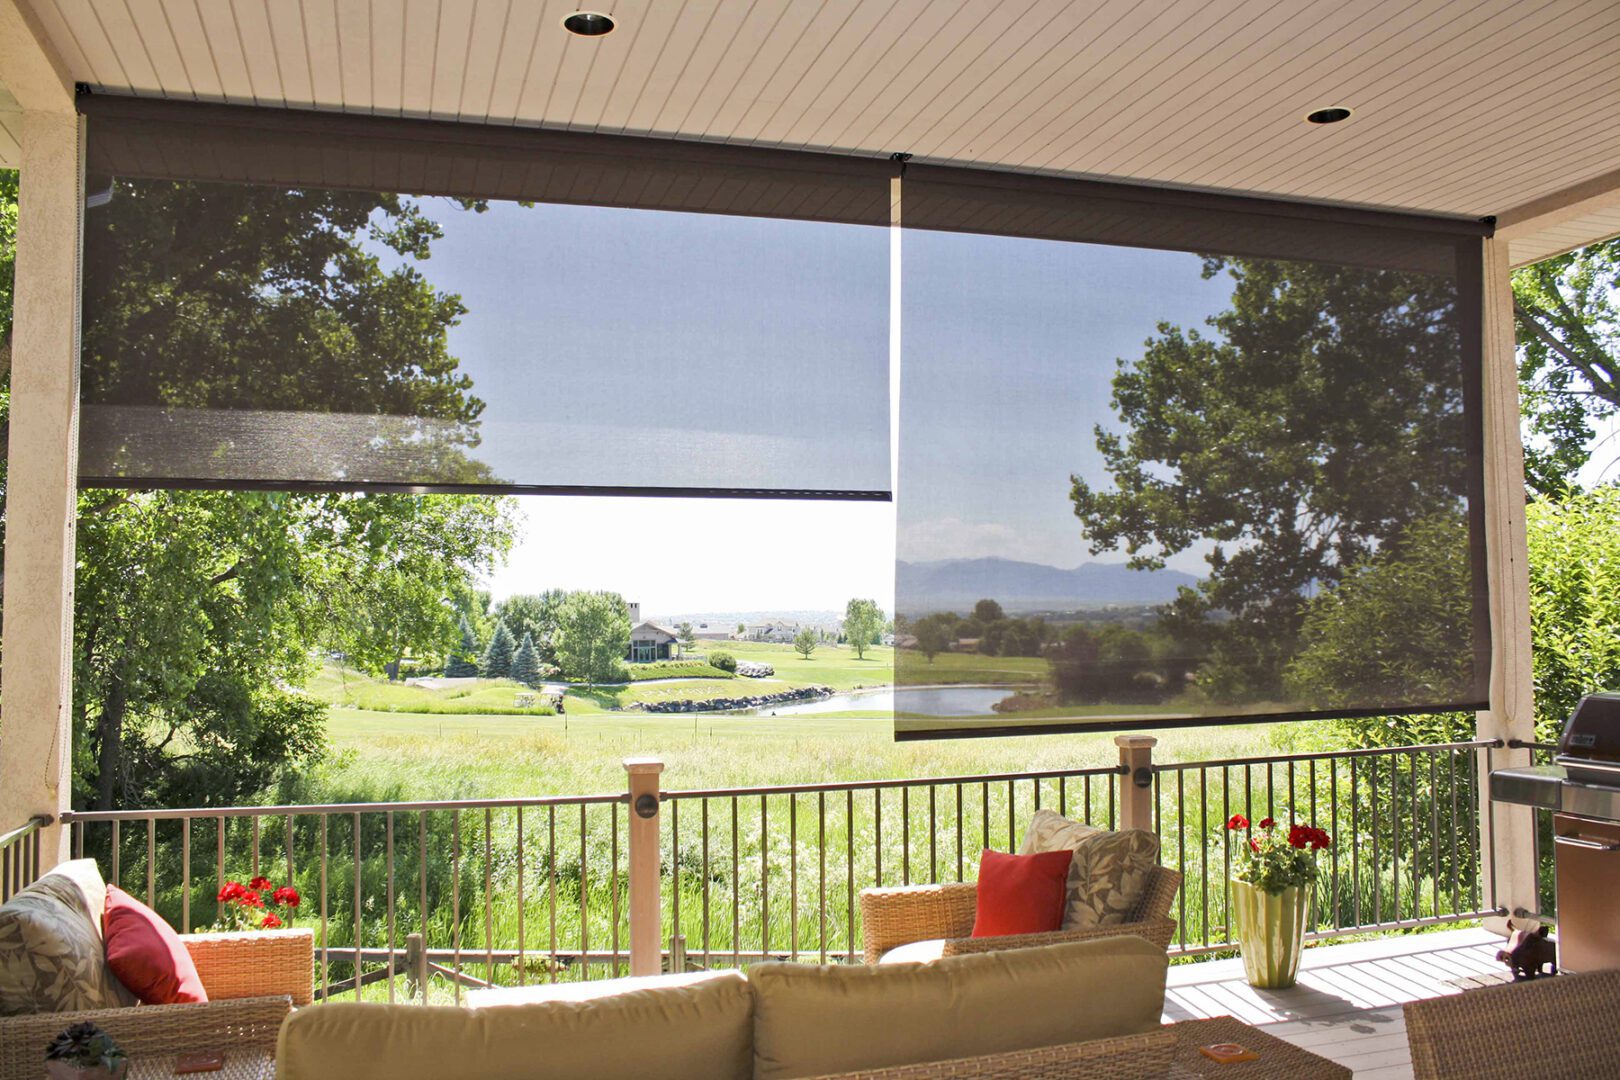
646,916
1136,781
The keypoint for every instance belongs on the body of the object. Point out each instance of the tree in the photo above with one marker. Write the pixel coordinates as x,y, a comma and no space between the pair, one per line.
463,662
593,634
1398,627
687,635
987,612
934,634
863,623
534,614
197,614
1278,441
805,641
1574,601
497,659
526,662
742,629
1567,310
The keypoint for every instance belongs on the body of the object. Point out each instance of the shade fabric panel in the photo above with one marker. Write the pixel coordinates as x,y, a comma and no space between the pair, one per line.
1152,483
258,336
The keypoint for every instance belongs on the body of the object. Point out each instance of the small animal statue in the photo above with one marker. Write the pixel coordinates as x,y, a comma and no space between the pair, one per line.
1528,951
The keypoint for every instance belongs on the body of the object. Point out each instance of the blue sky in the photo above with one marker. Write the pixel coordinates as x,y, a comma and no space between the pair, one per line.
638,345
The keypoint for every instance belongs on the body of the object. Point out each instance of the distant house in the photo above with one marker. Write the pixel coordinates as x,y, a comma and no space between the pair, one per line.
705,632
650,642
776,633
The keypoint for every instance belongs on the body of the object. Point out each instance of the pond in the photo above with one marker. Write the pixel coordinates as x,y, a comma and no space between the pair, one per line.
925,700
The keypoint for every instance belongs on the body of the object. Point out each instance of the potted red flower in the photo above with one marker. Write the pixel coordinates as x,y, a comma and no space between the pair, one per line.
1271,895
259,905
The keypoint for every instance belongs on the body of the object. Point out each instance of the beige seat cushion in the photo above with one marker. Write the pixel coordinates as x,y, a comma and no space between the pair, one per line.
1109,871
677,1032
52,957
810,1021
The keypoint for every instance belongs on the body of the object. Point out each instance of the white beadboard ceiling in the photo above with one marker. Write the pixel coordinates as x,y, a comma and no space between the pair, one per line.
1465,107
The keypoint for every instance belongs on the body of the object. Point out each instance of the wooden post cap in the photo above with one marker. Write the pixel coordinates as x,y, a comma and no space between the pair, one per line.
639,766
1135,742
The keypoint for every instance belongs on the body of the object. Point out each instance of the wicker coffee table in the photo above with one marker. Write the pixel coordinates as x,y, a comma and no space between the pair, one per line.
154,1037
1278,1060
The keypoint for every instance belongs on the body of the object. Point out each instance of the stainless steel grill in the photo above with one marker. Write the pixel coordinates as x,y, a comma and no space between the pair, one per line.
1582,789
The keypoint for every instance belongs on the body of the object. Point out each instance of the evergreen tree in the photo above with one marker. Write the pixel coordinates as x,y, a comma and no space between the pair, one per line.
462,664
526,662
497,662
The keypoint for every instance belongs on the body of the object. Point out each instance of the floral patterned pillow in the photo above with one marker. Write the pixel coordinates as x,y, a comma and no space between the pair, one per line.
51,954
1109,871
1115,875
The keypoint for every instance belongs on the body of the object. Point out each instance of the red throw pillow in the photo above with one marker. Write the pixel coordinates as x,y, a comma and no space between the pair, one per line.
1021,894
146,954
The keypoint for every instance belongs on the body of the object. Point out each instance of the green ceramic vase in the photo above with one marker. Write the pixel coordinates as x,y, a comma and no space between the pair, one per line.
1271,930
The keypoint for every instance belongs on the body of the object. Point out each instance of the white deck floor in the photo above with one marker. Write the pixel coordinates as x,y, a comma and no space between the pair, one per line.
1347,1005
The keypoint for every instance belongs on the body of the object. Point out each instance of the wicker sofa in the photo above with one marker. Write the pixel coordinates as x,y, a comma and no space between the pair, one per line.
893,917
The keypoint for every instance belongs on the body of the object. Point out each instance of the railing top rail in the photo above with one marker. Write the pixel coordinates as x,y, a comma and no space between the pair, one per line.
1323,755
341,808
871,785
32,825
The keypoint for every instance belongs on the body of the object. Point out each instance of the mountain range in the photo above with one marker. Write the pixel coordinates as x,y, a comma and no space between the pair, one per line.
956,584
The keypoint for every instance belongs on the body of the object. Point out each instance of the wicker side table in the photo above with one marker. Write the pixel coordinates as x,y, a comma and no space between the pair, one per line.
1278,1060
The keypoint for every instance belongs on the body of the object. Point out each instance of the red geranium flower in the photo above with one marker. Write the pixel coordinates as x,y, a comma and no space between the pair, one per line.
270,922
1266,823
231,890
287,895
261,883
1298,836
1254,845
1237,821
252,899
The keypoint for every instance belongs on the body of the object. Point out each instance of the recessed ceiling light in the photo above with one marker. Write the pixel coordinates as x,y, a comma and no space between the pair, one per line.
1328,116
588,24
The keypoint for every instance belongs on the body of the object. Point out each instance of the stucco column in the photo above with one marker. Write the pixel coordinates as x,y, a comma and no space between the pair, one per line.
36,747
1507,833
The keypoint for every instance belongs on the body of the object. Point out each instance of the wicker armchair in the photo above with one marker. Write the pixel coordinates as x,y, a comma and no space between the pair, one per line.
1566,1027
253,980
1129,1057
899,916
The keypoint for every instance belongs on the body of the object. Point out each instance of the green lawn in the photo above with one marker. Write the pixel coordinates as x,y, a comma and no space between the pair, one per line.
398,755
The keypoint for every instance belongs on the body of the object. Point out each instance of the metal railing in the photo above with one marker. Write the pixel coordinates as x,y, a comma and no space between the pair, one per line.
774,873
479,892
421,900
20,857
1405,824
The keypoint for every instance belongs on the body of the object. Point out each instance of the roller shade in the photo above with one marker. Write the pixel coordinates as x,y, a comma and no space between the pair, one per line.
305,301
1161,468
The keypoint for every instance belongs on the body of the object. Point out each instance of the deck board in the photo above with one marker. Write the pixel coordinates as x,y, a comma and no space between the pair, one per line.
1347,1005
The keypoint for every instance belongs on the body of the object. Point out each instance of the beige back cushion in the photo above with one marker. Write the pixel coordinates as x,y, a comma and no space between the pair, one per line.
680,1033
52,957
810,1021
1109,871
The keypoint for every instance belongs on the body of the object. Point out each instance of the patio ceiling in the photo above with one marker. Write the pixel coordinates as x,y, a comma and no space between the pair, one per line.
1468,109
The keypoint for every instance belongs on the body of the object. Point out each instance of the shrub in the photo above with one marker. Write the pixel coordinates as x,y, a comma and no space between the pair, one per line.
724,661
